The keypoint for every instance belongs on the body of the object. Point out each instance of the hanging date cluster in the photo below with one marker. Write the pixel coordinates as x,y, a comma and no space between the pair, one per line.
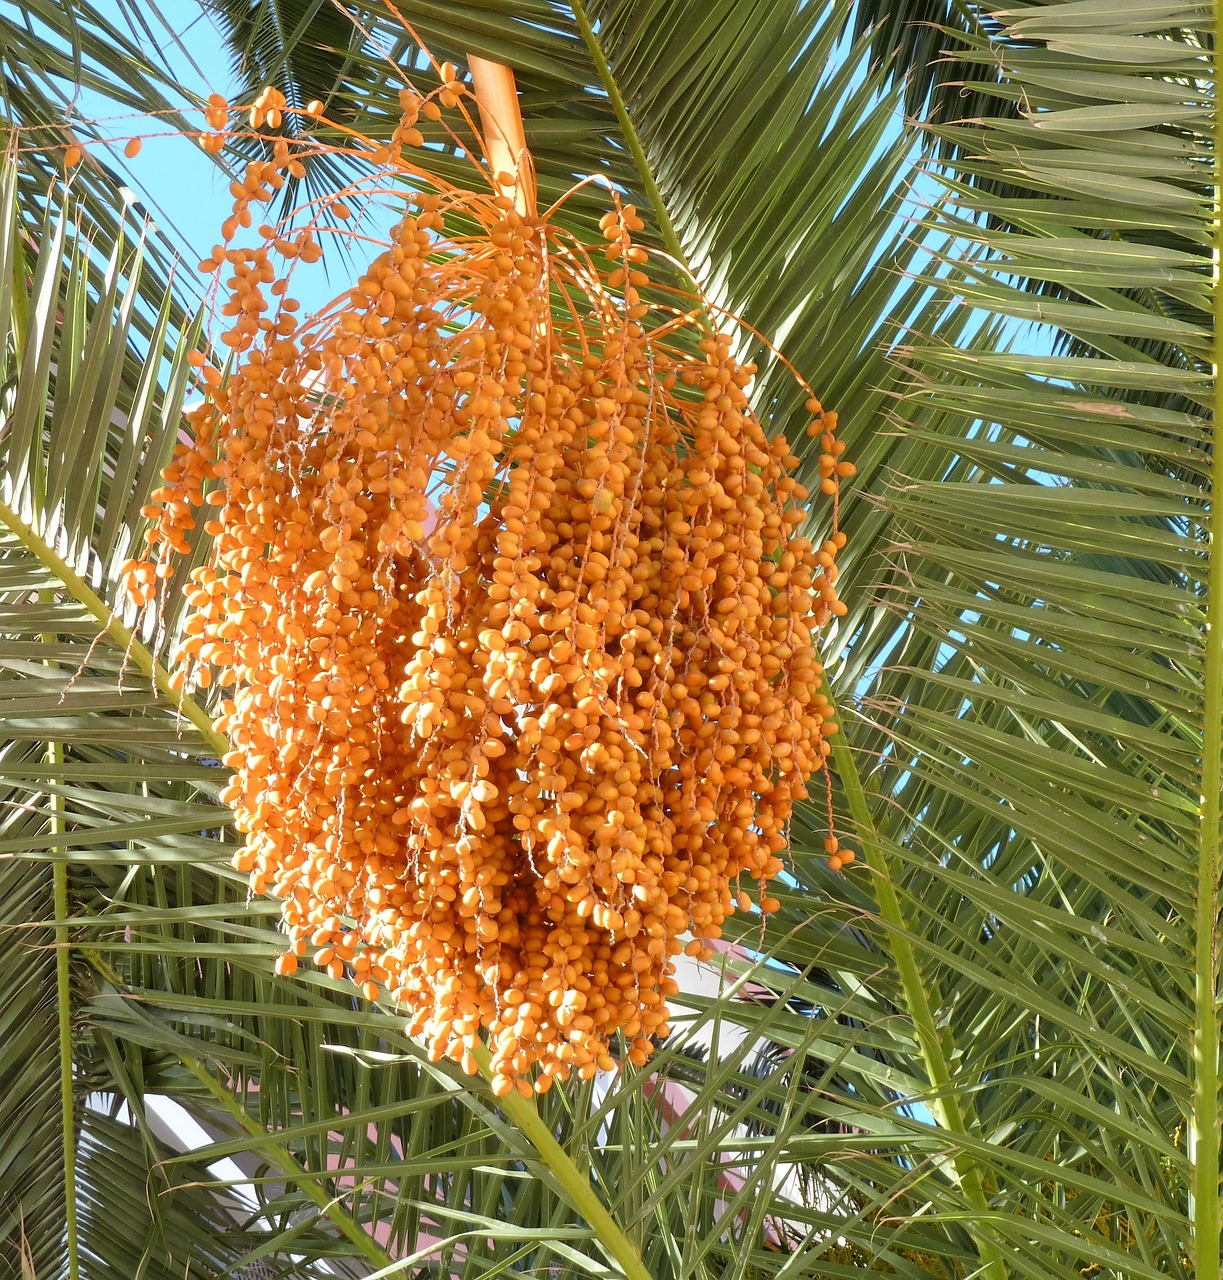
508,592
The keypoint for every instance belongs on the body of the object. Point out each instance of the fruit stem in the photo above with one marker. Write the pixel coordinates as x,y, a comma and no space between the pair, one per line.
505,143
577,1187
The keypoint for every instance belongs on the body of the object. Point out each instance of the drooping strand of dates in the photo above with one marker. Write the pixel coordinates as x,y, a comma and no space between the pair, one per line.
497,754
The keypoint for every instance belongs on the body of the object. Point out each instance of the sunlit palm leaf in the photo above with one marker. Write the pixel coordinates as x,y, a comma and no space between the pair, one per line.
1038,699
50,55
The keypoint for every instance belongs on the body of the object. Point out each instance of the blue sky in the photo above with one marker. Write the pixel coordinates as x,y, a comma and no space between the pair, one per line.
182,188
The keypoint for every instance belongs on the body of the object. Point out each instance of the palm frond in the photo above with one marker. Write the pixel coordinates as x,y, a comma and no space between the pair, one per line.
1033,711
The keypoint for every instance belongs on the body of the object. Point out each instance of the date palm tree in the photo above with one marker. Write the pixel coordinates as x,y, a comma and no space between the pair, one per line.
991,1048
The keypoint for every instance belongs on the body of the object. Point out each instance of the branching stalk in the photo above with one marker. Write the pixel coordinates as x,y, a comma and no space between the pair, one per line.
524,1113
